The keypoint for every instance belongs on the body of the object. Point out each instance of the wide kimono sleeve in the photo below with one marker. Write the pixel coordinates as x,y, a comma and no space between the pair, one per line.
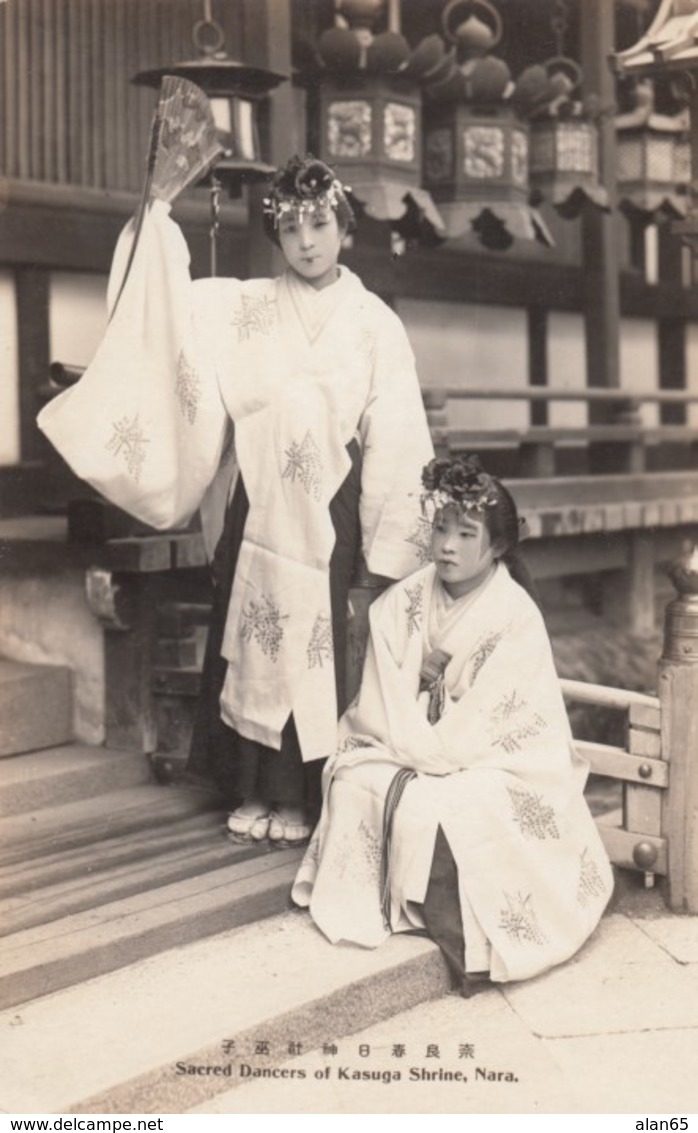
504,707
396,446
145,425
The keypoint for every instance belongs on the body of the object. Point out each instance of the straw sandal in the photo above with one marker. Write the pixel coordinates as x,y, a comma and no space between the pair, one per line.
285,834
248,827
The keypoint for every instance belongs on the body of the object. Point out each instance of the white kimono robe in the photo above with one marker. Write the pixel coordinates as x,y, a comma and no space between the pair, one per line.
498,772
299,373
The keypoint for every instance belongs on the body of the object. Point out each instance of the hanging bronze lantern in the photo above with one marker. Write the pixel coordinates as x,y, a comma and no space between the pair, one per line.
371,135
476,145
670,46
235,91
654,158
368,116
564,138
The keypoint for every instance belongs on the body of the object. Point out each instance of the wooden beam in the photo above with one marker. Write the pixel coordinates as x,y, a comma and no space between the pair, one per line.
72,229
558,557
32,298
617,764
620,846
625,700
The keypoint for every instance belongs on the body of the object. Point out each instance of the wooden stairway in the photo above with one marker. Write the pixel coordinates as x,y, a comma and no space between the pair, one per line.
101,866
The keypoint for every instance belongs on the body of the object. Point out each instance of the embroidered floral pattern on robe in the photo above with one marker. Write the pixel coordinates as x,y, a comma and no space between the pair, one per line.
371,850
420,538
483,651
256,316
519,919
534,817
320,647
305,465
351,743
261,621
512,738
359,860
591,883
128,440
413,609
187,388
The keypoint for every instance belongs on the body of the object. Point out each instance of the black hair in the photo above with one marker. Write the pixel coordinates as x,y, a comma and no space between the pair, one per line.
303,178
504,527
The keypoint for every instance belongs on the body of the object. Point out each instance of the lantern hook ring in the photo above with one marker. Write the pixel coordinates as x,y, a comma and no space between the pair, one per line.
472,7
562,64
207,33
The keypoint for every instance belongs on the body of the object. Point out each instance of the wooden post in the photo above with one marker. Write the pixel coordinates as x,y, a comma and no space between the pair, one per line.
672,331
537,460
600,230
628,596
32,286
436,406
678,694
125,606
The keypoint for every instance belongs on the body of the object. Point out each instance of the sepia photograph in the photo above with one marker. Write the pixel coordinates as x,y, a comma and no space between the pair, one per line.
348,560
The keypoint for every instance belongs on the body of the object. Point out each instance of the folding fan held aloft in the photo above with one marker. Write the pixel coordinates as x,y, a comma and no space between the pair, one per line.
183,147
184,142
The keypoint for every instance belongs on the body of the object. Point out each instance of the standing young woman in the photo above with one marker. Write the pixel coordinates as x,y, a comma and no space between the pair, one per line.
289,411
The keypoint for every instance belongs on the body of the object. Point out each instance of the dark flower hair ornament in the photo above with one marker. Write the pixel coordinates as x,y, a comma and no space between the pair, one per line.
310,188
461,481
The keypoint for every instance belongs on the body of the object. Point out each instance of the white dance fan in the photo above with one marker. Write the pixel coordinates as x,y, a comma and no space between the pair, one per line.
183,147
184,143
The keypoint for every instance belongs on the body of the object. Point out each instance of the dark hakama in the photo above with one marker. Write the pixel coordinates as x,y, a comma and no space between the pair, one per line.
240,767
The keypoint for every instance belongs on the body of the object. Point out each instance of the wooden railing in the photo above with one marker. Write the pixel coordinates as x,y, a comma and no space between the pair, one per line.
622,431
641,769
658,766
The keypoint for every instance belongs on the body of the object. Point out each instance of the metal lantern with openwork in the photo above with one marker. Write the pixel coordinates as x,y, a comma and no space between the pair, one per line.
234,90
476,161
654,161
660,151
564,166
368,115
371,135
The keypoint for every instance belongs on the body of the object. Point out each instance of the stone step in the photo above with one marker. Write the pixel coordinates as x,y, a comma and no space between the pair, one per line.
88,877
36,706
43,959
66,774
55,831
96,882
207,1004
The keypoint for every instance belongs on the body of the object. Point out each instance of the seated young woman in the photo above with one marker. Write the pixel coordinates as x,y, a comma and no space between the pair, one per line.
454,803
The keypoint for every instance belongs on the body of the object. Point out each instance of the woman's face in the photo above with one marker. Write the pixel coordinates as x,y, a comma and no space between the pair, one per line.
311,241
461,549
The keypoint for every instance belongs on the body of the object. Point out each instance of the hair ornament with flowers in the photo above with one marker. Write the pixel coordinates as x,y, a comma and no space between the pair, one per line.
461,481
305,186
